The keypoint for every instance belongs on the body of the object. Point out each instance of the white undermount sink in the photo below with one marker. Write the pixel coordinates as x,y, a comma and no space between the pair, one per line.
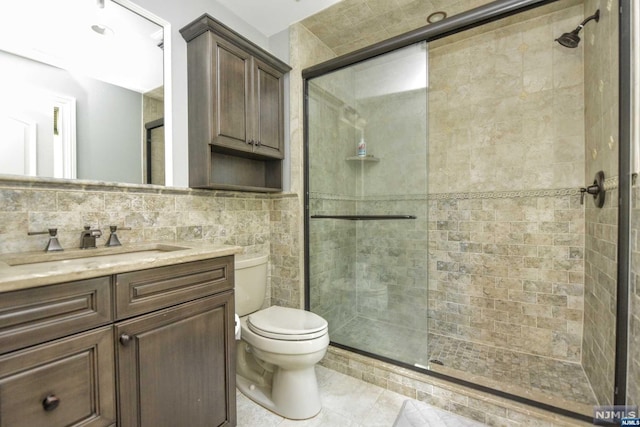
103,253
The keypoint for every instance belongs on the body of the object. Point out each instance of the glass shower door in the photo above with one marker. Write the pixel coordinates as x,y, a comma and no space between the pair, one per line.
367,210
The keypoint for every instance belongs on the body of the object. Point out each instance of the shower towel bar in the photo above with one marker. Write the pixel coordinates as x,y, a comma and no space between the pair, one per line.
365,217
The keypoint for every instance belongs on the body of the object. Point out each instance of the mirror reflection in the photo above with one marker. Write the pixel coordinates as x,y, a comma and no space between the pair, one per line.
82,93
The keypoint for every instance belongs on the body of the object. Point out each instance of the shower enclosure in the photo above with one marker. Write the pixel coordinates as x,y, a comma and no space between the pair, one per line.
368,204
445,230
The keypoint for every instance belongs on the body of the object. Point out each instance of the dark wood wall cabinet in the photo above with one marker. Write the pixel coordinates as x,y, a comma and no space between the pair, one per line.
236,110
149,348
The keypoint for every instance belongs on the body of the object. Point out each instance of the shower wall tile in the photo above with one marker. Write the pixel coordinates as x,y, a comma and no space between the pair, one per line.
332,266
391,264
633,374
506,109
353,24
599,341
601,153
522,285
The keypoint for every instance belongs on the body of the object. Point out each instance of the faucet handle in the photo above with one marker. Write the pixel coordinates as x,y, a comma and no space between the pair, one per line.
50,231
113,237
53,245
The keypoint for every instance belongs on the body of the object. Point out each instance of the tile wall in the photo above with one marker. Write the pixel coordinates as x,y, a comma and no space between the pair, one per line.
601,153
633,374
506,158
259,223
506,269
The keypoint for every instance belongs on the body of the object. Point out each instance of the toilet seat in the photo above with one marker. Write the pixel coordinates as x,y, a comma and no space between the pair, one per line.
287,324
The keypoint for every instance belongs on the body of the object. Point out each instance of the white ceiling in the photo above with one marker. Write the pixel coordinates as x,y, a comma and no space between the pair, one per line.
60,34
272,16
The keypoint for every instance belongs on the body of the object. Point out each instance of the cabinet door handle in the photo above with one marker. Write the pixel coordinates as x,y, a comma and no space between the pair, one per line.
257,143
125,339
50,402
251,142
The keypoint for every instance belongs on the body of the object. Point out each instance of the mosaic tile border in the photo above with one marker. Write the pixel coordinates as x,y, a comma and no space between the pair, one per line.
610,184
395,197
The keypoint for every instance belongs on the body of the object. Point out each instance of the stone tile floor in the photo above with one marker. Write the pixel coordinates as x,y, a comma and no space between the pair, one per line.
346,402
530,372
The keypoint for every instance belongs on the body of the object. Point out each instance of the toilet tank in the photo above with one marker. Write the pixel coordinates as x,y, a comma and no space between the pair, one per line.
250,282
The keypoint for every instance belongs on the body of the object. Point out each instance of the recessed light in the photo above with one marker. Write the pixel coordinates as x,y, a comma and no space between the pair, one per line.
103,30
436,17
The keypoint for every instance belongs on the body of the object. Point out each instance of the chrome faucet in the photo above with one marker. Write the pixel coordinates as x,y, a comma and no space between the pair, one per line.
88,237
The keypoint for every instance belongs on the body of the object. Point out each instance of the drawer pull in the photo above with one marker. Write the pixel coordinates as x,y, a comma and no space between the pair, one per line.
125,339
50,402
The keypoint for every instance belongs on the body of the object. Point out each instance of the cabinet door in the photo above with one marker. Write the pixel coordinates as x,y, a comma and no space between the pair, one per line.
268,110
69,382
232,97
176,367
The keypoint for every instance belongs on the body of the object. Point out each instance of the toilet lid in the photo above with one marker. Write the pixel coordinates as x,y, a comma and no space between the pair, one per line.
287,324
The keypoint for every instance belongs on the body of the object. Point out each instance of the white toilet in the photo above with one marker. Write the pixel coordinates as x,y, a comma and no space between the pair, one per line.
279,346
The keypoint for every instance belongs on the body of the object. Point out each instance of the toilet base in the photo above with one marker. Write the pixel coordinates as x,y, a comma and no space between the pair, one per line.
293,394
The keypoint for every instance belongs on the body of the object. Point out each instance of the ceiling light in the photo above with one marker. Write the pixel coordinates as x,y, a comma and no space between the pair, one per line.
436,17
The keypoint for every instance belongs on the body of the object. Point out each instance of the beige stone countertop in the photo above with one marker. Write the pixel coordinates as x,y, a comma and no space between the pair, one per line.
31,269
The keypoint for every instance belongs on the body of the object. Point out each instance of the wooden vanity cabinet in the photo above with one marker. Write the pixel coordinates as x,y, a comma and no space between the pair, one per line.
148,348
52,372
236,110
176,364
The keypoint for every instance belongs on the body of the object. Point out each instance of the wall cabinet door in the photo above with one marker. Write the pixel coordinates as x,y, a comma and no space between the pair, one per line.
249,112
232,82
176,367
269,110
63,383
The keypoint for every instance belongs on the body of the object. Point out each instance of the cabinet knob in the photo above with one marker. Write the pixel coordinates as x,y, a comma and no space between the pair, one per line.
251,142
125,339
50,402
257,143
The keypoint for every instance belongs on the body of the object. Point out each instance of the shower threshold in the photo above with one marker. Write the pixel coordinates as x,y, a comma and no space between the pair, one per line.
549,381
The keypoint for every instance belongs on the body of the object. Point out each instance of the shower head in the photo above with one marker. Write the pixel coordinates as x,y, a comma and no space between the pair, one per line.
572,39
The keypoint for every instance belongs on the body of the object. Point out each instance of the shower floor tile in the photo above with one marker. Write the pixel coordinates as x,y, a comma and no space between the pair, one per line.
521,370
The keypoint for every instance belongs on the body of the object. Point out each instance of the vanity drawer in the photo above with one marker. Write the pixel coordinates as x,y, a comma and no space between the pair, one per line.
35,315
68,382
144,291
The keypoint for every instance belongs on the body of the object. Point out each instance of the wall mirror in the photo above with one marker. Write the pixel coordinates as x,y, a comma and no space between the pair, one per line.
83,91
